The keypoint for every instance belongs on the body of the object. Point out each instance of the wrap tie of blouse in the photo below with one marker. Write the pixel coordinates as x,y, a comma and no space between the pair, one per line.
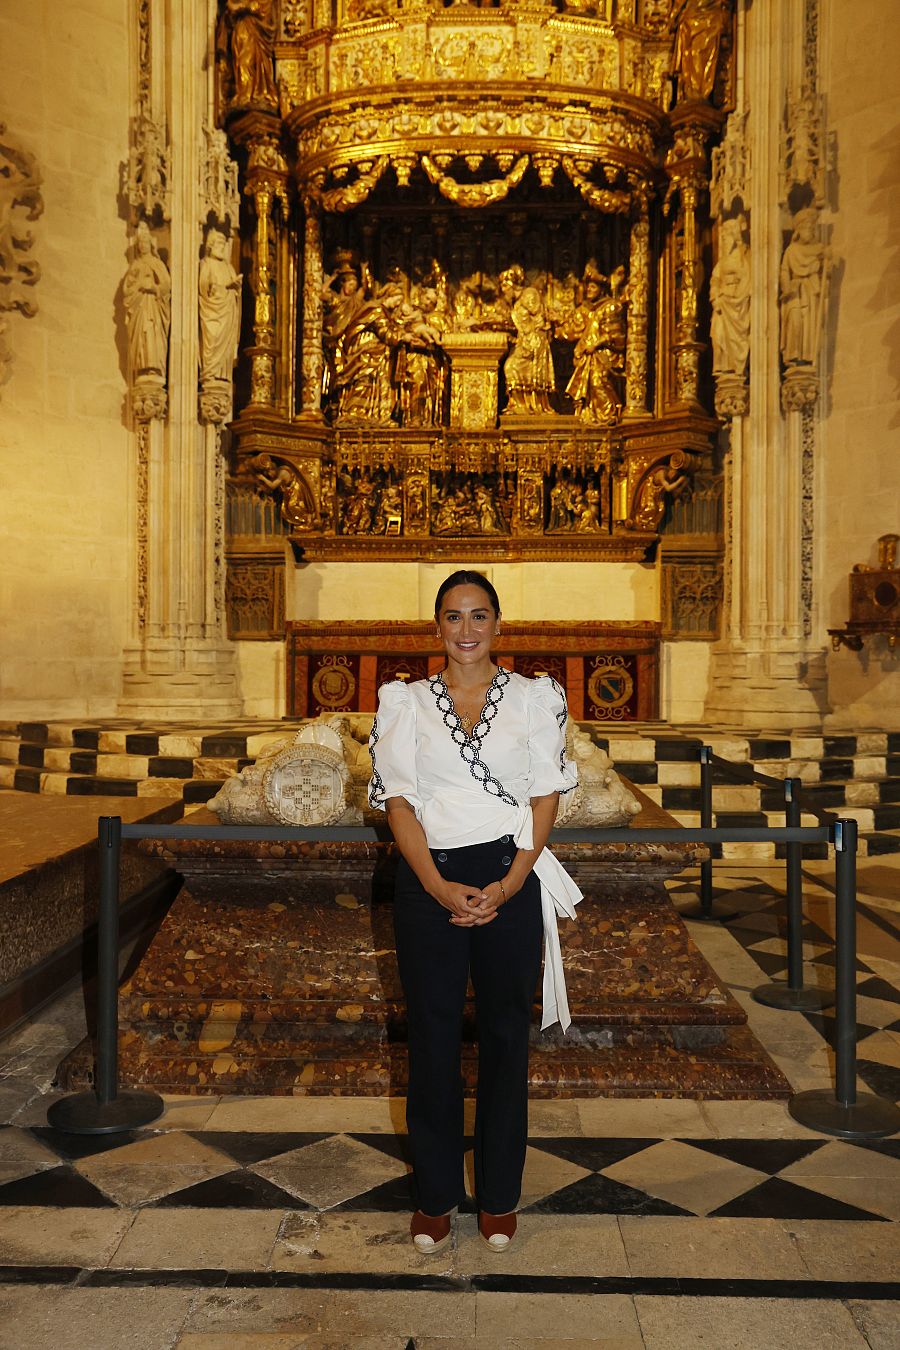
473,789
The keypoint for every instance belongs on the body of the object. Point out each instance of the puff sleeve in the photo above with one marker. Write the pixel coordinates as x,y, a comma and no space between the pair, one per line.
392,747
547,714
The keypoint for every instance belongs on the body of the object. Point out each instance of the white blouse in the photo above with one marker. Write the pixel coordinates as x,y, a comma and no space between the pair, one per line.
472,789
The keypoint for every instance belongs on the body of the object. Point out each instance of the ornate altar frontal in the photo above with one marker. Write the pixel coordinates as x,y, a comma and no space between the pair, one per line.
475,236
610,671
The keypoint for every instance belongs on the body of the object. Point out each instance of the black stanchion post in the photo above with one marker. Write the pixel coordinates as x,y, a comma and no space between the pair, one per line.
792,997
107,1111
706,820
844,1112
707,908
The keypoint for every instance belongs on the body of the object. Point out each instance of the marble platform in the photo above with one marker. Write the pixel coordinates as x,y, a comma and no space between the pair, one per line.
275,972
48,889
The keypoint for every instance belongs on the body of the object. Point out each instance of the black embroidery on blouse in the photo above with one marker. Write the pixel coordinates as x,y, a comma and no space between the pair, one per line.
470,746
376,785
562,718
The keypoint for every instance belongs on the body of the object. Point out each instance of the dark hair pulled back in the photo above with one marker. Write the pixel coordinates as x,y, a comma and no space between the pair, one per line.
467,578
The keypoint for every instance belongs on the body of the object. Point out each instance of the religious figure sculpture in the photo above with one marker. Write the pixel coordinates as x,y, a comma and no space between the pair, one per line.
359,502
298,505
365,359
219,293
599,350
528,368
802,278
729,292
246,40
422,378
342,296
699,25
147,292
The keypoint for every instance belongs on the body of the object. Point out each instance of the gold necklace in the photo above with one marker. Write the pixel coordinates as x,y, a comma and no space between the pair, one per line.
466,722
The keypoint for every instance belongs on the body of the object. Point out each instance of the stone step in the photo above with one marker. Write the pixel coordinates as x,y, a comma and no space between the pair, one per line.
731,1068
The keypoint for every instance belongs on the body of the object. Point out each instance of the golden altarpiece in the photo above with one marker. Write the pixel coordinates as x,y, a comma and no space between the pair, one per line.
476,237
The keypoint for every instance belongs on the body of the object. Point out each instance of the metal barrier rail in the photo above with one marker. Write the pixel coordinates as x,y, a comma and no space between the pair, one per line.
108,1110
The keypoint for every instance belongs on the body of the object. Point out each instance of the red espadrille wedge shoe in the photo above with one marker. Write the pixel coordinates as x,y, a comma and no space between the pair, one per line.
430,1233
497,1230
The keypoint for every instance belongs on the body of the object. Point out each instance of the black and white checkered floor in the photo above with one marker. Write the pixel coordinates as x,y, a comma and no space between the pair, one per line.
270,1223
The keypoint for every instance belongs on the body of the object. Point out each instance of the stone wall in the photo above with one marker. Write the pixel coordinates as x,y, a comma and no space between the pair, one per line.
65,545
859,487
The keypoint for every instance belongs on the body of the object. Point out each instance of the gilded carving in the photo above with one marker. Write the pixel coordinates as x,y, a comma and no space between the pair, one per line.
298,502
699,27
475,194
466,354
245,46
20,202
599,325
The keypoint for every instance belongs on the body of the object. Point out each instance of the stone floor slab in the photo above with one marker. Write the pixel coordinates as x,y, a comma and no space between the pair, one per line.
557,1245
606,1320
343,1316
746,1324
855,1250
370,1115
369,1243
41,1236
879,1323
34,1318
684,1176
751,1249
333,1170
199,1239
753,1120
643,1118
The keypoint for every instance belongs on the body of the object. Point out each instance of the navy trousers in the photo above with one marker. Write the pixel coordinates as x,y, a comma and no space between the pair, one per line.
436,959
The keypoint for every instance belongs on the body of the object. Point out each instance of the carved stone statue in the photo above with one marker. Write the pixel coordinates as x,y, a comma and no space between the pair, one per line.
147,292
529,366
729,292
320,776
20,202
699,25
802,280
220,309
599,350
246,43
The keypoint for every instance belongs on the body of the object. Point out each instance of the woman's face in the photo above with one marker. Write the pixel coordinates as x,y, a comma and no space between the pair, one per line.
467,624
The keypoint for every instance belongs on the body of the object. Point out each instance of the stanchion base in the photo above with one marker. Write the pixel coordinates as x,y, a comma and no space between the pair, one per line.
869,1117
718,912
84,1114
782,996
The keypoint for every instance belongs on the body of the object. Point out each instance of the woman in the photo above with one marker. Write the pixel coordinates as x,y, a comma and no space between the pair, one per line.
469,765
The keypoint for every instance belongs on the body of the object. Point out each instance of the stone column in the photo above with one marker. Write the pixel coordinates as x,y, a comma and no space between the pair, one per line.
180,665
764,672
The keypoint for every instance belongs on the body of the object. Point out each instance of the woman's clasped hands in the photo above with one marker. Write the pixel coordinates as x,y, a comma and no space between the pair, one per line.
472,906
